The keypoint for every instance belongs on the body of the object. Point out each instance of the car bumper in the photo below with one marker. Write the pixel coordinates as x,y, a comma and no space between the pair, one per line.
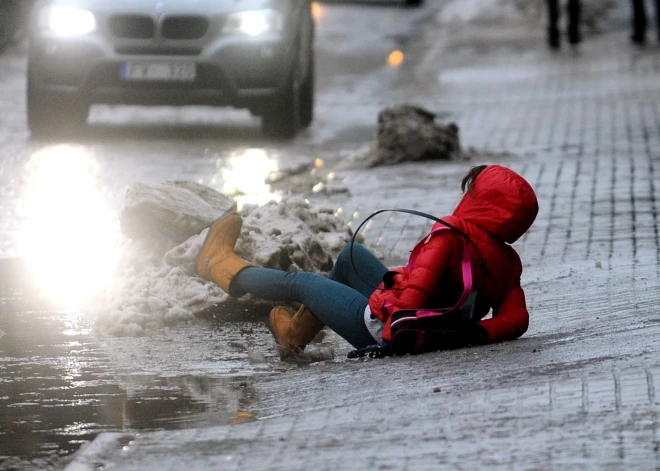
229,71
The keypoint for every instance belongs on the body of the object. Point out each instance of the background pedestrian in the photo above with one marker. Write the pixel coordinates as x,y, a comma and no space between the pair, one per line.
639,21
574,11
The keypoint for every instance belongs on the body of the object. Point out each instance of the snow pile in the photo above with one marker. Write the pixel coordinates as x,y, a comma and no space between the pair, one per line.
156,286
292,236
409,133
171,211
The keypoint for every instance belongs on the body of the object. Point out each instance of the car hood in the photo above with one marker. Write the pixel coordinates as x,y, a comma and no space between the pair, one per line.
172,6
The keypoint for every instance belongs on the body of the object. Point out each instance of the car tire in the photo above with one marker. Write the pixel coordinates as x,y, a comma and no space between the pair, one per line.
412,3
282,120
50,114
307,95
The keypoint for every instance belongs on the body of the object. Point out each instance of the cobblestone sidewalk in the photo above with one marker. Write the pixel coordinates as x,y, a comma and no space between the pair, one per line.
580,389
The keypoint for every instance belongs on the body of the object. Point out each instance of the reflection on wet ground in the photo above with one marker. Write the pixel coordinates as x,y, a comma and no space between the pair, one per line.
60,385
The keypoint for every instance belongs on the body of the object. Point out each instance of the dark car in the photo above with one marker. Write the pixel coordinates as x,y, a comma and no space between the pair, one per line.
254,54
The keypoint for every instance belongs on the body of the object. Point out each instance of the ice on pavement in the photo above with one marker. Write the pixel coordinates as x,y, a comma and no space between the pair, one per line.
476,11
493,11
155,286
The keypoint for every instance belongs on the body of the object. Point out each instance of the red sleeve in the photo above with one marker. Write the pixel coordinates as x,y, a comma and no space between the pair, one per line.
420,284
510,319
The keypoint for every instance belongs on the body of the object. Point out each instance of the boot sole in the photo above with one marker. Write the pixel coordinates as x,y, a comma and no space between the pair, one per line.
209,236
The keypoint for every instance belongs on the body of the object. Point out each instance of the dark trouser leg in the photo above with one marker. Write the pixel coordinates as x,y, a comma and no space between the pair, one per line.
657,18
338,301
553,20
358,268
638,22
574,16
338,306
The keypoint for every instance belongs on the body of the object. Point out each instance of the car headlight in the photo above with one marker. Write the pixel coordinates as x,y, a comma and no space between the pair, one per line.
254,22
67,21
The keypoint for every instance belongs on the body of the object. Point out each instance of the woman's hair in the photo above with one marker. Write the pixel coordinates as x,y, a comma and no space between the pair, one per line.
470,177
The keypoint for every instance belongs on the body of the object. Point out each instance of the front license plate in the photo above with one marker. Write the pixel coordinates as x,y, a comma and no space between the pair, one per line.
165,71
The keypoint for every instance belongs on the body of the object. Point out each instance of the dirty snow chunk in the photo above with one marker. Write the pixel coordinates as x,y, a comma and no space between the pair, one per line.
292,236
408,133
171,211
153,289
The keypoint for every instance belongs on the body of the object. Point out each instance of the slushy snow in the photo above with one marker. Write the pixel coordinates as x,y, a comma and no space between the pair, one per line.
152,288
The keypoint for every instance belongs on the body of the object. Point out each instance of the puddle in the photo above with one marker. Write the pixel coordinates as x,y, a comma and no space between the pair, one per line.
60,385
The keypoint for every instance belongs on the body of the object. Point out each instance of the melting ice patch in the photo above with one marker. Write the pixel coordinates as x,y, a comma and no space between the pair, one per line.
493,11
478,11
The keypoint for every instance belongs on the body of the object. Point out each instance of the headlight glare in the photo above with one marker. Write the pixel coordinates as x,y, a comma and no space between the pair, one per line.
67,21
254,22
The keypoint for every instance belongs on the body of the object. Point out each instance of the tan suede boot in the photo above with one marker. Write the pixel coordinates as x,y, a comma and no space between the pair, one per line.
293,332
217,261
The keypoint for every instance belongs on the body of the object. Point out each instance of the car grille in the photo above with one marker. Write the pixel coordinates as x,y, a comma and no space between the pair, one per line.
138,50
184,27
132,26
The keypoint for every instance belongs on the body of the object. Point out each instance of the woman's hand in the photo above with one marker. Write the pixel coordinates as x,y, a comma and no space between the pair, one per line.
379,350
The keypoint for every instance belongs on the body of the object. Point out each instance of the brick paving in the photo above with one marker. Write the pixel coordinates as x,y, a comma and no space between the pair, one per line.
580,390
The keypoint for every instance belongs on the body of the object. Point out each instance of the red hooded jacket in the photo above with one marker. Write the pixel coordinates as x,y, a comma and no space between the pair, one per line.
498,208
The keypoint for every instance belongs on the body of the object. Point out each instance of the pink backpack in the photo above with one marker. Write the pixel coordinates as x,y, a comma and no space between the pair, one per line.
429,329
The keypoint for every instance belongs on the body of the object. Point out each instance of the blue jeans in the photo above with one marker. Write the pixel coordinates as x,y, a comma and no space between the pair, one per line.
338,301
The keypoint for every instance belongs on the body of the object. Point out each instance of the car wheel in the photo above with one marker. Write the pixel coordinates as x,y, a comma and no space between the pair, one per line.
283,120
412,3
307,95
50,114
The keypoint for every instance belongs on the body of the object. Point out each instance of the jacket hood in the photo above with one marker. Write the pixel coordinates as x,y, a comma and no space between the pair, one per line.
501,202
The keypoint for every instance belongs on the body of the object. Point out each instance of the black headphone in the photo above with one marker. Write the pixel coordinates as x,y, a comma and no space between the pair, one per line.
414,212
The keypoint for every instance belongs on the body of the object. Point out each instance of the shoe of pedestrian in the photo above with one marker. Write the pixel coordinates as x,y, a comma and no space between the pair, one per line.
574,37
553,39
638,39
293,332
217,261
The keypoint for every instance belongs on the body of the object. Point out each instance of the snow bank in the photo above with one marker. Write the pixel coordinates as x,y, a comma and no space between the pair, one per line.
153,288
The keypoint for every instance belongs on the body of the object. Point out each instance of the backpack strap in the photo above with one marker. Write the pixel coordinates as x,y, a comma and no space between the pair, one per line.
466,265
